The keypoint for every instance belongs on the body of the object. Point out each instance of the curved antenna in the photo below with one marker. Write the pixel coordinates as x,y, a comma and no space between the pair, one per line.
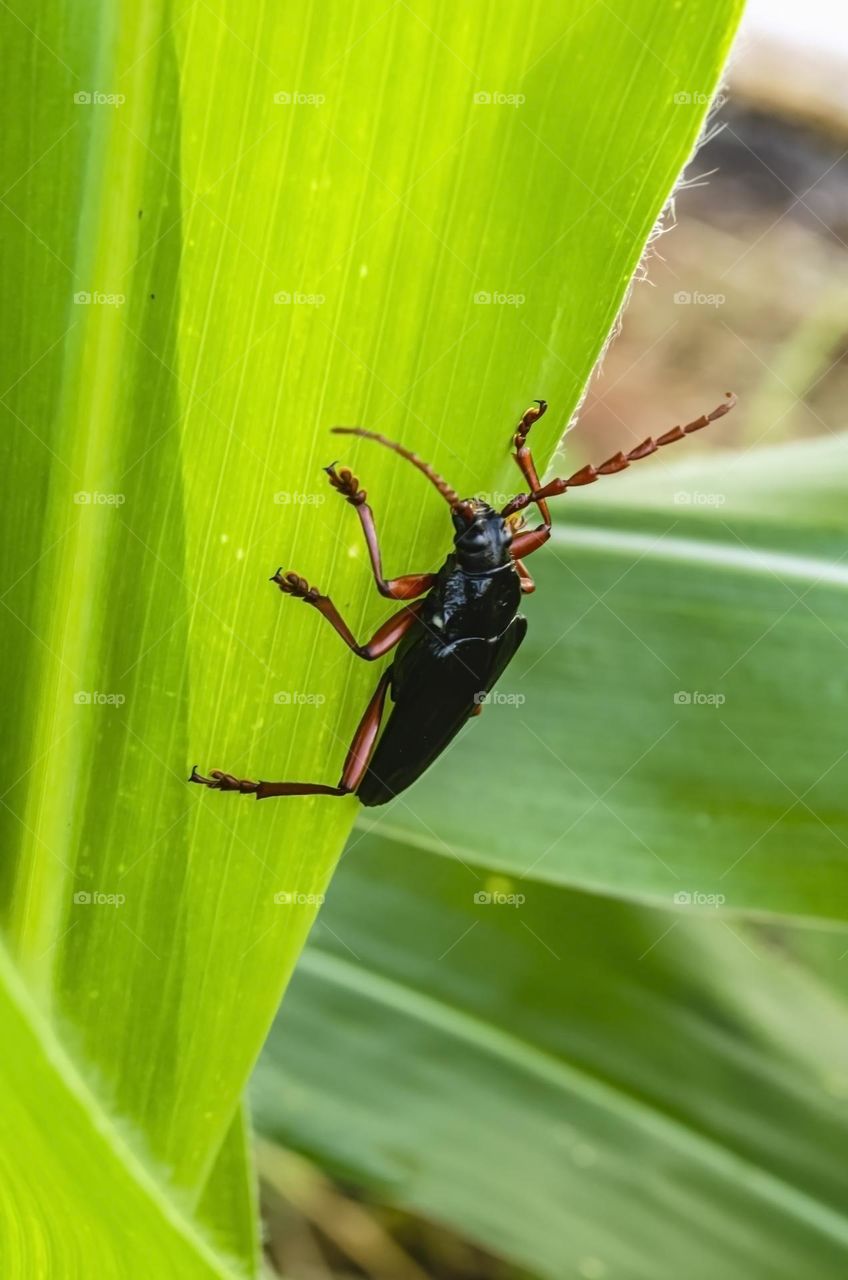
450,495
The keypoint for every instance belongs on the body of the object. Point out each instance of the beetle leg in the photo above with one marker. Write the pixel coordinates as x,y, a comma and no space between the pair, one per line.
383,639
528,585
355,765
405,588
220,781
524,544
365,738
524,457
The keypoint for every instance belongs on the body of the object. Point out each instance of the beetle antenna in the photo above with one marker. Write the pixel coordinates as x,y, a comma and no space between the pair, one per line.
450,495
619,461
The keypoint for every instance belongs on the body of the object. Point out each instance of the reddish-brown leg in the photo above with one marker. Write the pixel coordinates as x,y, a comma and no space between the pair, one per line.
530,540
524,457
355,765
405,588
525,543
528,585
618,462
383,639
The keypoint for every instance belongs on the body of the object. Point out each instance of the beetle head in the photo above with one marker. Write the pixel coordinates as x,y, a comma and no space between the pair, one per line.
482,538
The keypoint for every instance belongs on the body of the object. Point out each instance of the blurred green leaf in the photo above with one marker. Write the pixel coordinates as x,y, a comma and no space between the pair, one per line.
588,1087
229,1206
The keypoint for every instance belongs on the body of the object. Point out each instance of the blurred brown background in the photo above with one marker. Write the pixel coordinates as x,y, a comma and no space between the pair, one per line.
749,290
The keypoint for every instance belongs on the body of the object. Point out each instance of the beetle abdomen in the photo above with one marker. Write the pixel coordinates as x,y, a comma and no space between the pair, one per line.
423,722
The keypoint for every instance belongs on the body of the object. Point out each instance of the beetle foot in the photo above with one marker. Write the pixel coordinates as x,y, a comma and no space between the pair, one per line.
347,484
531,415
219,781
291,584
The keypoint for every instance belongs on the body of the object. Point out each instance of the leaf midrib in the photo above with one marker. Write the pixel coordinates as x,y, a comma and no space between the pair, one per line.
463,854
703,551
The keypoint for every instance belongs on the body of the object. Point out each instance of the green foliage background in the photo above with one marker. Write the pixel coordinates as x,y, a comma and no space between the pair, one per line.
165,416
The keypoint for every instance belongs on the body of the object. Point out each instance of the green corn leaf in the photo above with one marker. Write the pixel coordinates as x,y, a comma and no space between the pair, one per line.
226,228
77,1197
590,1088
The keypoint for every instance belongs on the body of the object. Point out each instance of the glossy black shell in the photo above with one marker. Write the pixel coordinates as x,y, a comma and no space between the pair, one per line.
467,634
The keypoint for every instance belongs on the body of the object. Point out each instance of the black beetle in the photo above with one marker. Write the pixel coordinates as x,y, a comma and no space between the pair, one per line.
460,634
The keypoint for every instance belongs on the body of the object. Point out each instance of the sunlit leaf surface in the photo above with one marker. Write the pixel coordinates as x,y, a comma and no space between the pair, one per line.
226,228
